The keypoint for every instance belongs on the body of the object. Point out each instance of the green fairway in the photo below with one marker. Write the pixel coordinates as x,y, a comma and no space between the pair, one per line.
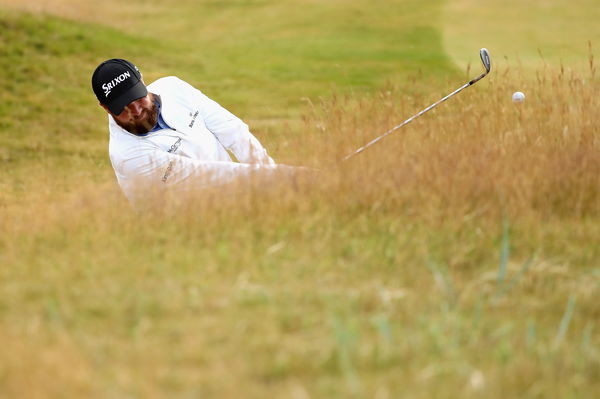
459,257
522,33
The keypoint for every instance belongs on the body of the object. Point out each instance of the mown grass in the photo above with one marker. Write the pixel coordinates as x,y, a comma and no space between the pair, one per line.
458,257
519,33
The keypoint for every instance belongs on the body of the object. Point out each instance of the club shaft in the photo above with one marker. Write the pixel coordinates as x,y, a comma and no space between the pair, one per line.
412,118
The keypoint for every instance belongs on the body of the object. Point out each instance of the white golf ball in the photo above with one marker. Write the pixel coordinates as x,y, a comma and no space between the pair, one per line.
518,97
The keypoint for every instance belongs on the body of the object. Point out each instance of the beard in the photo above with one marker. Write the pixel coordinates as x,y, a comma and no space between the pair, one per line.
143,123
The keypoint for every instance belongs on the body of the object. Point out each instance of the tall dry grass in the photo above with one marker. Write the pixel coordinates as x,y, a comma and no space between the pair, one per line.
478,153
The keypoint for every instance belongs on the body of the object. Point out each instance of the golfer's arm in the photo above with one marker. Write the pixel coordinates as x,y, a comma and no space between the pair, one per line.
178,170
232,132
158,169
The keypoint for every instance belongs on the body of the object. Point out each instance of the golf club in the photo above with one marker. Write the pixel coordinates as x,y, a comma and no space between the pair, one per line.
485,59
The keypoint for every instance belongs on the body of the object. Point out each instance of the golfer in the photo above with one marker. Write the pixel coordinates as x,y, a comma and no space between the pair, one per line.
169,134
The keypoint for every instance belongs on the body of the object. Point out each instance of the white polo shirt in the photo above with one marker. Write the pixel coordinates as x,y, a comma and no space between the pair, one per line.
193,152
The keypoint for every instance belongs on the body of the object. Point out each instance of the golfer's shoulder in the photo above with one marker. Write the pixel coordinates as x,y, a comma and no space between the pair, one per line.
169,84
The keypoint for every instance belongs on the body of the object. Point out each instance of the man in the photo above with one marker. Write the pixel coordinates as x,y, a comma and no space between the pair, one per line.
170,134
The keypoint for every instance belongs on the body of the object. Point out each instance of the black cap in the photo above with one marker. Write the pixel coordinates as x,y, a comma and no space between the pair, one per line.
116,83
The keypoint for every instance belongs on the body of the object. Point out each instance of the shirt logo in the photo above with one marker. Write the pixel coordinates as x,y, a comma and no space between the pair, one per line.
113,83
194,116
171,150
175,146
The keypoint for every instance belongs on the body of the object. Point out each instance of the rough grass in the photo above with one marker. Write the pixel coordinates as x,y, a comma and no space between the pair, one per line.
458,257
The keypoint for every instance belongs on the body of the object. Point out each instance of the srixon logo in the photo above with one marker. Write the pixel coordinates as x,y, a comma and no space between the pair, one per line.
113,83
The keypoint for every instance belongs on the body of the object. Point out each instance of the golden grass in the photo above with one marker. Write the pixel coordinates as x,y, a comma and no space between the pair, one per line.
480,153
378,277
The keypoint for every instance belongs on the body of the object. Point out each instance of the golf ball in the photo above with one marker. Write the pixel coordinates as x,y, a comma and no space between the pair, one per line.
518,97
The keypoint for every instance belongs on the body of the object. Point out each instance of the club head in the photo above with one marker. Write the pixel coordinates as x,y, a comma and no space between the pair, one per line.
485,59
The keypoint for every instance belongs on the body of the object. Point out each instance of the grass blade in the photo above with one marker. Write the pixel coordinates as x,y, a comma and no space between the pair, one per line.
442,280
513,281
564,323
504,253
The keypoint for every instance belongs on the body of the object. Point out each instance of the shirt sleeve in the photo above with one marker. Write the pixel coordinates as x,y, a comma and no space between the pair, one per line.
231,131
152,170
